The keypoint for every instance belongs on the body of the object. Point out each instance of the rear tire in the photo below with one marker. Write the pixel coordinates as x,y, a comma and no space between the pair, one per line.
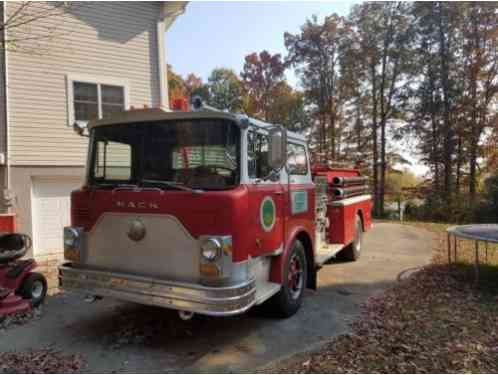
34,288
353,251
289,299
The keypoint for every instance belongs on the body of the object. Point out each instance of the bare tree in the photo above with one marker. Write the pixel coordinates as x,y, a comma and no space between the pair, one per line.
23,24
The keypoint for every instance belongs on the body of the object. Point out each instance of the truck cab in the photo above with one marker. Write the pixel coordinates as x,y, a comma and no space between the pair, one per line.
204,212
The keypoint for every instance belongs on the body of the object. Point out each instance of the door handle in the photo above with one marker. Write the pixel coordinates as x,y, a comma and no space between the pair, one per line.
278,193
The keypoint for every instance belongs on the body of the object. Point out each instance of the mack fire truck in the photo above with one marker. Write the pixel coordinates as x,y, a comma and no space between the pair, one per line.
207,212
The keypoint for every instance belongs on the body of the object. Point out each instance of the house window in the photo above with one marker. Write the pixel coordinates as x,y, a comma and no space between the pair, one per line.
86,101
91,100
112,99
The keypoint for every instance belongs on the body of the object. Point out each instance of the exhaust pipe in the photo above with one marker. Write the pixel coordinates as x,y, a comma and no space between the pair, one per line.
185,315
349,191
347,181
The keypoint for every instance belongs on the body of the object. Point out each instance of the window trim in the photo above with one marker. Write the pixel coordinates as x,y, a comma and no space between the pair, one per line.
96,80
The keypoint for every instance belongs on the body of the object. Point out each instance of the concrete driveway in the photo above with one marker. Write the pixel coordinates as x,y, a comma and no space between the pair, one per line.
114,336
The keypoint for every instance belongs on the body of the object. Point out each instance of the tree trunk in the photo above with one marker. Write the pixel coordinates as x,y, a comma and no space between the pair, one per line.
384,108
383,168
459,165
375,171
333,136
448,147
434,146
475,126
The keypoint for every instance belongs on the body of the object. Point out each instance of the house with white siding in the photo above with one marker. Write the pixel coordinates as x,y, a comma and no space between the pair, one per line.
79,61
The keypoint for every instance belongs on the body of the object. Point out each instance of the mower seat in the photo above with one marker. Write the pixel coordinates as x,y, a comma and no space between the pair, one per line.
13,246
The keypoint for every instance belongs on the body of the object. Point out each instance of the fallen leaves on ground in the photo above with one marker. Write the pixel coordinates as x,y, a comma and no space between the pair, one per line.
20,318
434,321
146,325
46,361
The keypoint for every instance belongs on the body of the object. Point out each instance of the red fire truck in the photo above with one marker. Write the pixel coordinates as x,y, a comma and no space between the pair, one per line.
207,212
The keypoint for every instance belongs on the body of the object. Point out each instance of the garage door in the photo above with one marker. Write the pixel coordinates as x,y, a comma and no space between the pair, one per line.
51,212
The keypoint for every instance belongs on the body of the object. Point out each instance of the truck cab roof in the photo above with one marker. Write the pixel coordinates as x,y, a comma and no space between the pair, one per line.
155,114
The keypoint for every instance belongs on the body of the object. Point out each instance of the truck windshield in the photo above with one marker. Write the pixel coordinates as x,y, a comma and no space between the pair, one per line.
198,154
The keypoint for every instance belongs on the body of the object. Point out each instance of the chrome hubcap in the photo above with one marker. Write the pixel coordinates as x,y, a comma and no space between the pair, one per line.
37,289
295,277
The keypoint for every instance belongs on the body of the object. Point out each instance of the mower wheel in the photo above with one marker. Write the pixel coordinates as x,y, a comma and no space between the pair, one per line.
34,288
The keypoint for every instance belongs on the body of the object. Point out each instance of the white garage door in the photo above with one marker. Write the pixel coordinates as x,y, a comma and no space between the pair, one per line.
51,212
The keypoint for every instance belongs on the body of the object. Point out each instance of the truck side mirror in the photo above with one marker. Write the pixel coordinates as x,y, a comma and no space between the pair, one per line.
80,129
277,153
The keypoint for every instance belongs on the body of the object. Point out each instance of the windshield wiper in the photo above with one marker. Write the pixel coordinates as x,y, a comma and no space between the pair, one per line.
174,185
116,186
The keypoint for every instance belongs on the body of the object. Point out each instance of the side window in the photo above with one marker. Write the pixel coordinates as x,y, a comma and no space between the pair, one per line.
257,155
113,161
296,159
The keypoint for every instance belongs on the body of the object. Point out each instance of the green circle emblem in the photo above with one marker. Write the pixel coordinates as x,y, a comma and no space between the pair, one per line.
267,214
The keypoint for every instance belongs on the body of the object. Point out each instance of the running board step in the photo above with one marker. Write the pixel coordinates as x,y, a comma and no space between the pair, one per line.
327,252
265,290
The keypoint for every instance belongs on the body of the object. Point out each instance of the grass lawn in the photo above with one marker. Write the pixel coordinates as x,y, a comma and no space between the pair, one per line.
436,321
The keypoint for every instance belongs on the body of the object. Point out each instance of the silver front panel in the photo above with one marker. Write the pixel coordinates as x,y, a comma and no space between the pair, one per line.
166,251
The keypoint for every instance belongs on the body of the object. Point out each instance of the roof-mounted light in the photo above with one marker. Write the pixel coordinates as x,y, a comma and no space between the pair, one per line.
197,103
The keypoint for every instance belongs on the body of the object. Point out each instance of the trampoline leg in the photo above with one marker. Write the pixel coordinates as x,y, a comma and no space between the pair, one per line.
455,249
476,266
449,250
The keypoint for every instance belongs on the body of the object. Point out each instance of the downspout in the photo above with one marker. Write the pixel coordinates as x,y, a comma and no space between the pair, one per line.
161,61
6,98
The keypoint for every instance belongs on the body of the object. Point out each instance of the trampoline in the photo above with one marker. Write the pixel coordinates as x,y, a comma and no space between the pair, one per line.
486,233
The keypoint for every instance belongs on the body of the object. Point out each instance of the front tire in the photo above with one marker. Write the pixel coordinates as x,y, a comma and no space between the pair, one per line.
290,297
34,288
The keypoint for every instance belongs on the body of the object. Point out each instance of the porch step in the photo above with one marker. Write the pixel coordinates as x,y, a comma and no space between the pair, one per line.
265,290
327,252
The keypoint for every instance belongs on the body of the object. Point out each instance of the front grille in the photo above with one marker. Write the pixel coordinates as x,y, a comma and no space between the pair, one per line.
167,250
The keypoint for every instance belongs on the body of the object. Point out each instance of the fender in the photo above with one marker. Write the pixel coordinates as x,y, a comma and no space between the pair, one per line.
277,266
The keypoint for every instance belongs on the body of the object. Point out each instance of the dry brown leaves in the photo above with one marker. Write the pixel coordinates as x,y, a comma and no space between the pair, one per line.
433,322
46,361
21,318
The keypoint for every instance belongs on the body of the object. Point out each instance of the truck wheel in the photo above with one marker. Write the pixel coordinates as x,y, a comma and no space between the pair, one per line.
290,297
353,251
34,288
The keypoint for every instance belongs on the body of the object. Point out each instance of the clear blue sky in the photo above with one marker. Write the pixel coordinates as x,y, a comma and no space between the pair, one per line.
215,34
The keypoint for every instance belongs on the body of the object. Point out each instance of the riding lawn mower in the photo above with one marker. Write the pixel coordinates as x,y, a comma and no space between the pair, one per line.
21,289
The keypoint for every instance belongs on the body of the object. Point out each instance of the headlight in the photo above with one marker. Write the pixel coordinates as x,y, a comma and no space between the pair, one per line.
72,244
211,249
71,238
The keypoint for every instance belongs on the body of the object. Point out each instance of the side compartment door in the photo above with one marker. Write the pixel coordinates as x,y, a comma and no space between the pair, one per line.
266,199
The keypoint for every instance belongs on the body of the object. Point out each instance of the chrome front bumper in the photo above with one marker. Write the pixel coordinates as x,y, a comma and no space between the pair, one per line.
217,301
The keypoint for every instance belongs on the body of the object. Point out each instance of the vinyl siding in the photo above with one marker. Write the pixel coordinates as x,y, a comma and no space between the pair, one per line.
108,40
